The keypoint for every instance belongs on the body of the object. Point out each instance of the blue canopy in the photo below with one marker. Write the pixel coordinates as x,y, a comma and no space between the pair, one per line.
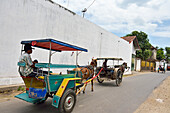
55,45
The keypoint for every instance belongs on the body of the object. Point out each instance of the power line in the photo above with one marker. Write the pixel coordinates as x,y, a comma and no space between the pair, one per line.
85,9
91,4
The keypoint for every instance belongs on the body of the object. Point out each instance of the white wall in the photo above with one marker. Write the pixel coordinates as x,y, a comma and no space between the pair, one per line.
138,64
154,52
36,19
133,48
162,63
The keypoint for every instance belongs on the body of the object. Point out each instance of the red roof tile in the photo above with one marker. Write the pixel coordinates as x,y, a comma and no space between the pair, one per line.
129,38
132,38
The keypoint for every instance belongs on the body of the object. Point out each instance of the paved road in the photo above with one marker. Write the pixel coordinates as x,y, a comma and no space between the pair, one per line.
107,98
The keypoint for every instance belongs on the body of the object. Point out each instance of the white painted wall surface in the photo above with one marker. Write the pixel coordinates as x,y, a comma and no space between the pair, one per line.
133,48
165,66
157,65
154,52
36,19
162,63
138,64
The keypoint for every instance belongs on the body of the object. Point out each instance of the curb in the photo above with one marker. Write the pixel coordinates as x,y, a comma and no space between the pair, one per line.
10,87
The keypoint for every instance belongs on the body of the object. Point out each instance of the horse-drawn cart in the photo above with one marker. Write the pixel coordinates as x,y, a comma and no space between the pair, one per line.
110,71
59,87
161,68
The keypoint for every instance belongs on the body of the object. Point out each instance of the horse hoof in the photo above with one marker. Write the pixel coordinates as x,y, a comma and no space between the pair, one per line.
83,92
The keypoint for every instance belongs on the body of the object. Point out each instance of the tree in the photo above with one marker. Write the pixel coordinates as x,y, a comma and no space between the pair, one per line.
143,43
147,54
139,54
160,54
167,56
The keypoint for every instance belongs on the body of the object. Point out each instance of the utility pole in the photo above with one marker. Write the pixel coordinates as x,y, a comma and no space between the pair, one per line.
84,10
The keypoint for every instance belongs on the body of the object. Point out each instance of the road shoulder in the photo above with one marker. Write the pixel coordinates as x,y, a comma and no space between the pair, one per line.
158,101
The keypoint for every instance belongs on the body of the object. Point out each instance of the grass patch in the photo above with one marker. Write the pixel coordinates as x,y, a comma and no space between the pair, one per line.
21,88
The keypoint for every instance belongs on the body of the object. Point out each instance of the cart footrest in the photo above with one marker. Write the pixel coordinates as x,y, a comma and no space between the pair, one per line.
25,97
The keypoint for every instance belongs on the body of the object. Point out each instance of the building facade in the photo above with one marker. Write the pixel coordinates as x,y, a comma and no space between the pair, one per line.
37,19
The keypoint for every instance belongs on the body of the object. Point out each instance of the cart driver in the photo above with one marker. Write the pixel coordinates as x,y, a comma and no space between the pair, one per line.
27,70
105,66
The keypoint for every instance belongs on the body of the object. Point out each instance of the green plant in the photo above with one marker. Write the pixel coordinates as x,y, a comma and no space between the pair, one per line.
21,88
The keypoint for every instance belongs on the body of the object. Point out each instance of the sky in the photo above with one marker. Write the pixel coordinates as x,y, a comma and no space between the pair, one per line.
121,17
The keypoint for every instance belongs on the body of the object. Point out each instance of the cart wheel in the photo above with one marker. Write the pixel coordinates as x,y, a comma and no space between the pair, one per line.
67,101
119,78
99,79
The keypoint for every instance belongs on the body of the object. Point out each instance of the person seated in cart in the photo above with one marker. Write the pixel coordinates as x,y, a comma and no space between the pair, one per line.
29,69
105,66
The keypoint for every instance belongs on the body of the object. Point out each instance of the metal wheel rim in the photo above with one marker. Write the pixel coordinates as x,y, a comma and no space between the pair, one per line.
119,78
69,102
117,81
99,78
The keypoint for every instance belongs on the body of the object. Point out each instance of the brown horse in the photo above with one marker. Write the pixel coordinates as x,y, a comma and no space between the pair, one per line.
87,72
123,67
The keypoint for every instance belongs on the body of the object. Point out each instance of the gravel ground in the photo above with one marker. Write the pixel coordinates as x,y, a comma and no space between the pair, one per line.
158,101
8,95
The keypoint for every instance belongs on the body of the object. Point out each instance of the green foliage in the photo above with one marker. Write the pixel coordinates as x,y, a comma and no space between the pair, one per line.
147,54
21,88
139,54
143,43
167,54
160,54
167,50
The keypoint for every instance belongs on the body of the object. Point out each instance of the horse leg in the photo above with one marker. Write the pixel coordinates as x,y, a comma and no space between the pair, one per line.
92,85
84,88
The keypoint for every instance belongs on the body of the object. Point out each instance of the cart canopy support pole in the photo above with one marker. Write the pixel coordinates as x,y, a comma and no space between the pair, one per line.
48,83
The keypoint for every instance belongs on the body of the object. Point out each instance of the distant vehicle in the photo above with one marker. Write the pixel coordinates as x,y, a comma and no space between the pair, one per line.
161,68
168,67
112,72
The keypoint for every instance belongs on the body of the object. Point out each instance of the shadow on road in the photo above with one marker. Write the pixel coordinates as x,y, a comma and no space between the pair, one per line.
41,108
107,84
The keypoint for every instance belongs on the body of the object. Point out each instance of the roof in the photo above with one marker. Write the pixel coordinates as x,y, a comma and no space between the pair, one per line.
134,39
55,45
152,47
109,58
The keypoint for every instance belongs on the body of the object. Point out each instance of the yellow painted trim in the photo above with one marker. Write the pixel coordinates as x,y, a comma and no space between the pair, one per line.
54,73
41,77
64,85
88,80
77,84
62,88
73,78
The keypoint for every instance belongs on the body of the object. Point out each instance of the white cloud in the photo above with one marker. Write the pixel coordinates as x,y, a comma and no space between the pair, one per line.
165,34
124,16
